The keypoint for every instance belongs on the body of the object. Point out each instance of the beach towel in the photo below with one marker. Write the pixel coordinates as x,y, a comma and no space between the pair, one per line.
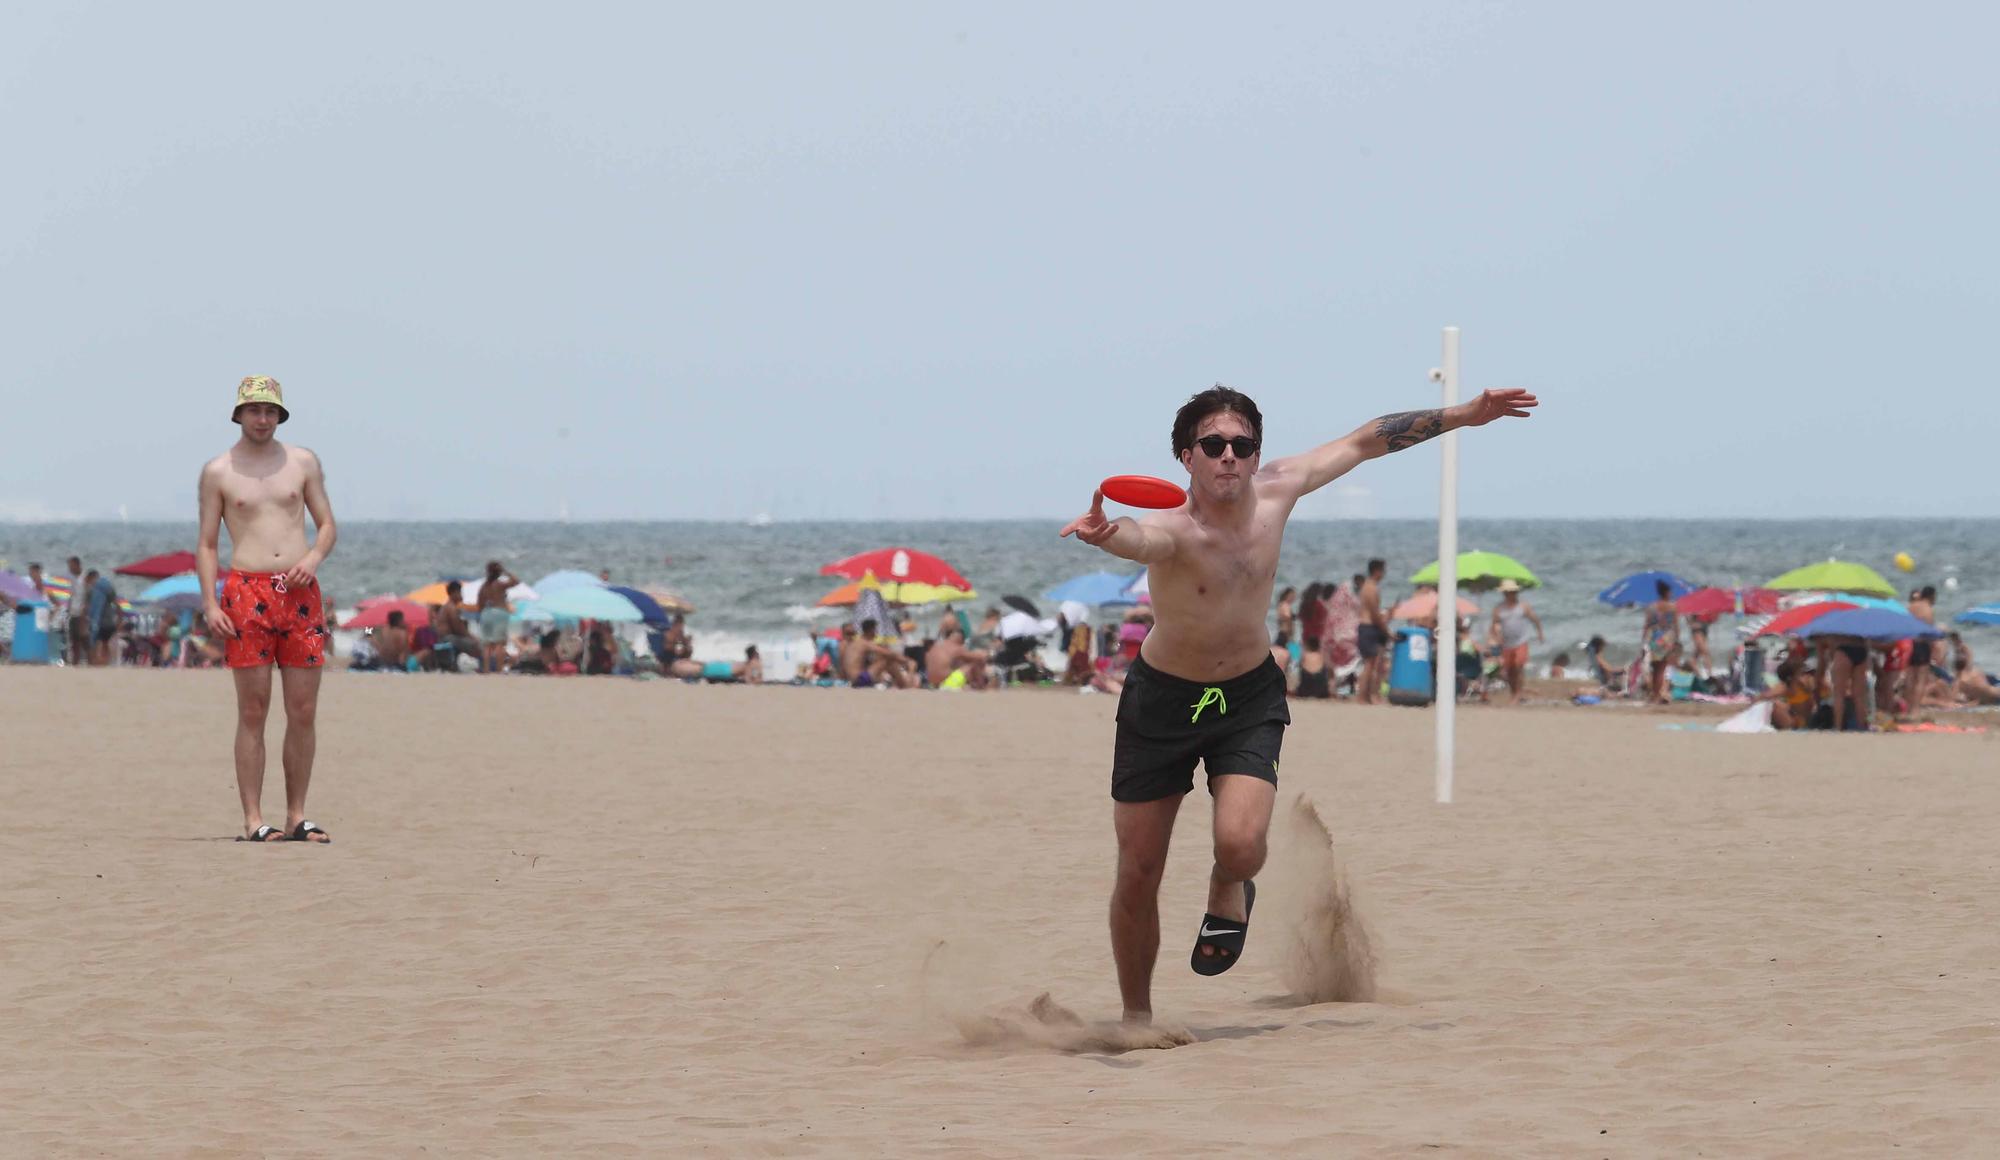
1343,624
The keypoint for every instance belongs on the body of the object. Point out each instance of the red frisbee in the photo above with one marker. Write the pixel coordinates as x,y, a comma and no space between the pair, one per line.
1143,491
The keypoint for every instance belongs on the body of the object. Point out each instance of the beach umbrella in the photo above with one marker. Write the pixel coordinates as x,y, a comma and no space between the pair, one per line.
898,566
1141,588
649,609
17,587
177,585
1716,601
179,602
160,566
1853,598
1482,572
674,601
1834,576
1022,604
377,615
567,578
1875,624
1095,588
1980,614
1424,605
435,594
848,594
580,602
1788,622
58,589
1643,588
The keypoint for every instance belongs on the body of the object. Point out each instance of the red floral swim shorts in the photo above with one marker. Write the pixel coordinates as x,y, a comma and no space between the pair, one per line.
276,622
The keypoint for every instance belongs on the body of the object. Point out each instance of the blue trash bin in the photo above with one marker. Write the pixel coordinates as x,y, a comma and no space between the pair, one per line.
1410,668
31,633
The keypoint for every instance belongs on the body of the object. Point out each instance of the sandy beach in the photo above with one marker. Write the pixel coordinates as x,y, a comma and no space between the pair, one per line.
643,918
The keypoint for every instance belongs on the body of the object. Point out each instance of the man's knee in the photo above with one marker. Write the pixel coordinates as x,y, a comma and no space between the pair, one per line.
1240,854
1140,872
253,708
301,712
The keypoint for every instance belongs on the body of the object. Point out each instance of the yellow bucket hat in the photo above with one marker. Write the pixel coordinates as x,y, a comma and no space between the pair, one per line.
259,389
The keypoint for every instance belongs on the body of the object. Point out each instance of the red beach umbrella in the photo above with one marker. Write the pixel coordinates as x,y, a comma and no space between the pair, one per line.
159,567
1716,601
1785,622
899,566
377,615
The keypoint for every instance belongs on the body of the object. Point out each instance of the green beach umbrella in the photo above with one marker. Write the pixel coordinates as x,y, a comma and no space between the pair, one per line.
1834,576
1482,572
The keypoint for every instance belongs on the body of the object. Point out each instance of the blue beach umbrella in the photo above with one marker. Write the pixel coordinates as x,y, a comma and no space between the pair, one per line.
567,578
1095,588
1875,624
1644,588
1980,614
579,602
649,608
179,584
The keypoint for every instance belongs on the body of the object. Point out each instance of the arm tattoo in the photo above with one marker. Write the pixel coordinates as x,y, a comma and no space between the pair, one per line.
1406,429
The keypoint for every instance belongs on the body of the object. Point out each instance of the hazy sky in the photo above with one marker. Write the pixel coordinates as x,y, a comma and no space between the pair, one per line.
855,261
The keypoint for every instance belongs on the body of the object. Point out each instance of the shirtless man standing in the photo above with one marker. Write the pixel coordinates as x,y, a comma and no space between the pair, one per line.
493,617
1372,636
1204,685
270,611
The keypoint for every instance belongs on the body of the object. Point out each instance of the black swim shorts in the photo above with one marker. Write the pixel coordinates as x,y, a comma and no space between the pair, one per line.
1166,724
1920,653
1368,640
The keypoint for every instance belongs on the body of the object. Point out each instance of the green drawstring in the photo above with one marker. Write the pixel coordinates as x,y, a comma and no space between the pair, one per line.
1210,695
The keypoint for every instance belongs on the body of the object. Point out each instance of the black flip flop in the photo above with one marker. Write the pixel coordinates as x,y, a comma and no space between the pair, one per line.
262,834
1225,935
299,833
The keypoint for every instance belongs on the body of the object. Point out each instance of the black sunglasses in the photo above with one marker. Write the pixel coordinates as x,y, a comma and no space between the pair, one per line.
1212,445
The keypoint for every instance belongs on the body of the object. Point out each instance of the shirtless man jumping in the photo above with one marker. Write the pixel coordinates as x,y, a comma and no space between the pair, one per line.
270,611
1204,685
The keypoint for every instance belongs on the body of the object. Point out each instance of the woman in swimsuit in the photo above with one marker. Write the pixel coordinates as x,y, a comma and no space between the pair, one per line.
1314,680
1850,682
1663,640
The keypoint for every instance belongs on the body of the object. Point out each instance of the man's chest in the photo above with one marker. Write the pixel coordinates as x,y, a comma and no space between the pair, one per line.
282,490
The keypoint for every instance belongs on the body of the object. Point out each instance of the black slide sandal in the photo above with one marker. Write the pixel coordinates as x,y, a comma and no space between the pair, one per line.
303,832
1226,935
263,834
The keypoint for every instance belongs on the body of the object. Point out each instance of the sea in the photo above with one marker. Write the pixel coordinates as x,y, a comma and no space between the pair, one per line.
759,583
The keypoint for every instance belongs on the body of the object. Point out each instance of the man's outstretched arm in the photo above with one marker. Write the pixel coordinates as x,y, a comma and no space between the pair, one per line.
1400,431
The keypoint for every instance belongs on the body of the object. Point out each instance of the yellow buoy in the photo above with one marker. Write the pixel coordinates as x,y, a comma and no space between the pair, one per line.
1904,562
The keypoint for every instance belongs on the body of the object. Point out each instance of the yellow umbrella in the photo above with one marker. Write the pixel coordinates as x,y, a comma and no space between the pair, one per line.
848,594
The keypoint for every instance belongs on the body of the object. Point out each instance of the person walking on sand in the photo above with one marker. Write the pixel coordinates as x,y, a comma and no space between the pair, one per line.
1204,686
269,613
1661,635
1371,636
1511,617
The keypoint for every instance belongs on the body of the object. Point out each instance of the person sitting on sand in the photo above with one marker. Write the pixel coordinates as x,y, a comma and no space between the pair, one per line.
392,644
546,660
866,662
1559,667
948,655
1968,680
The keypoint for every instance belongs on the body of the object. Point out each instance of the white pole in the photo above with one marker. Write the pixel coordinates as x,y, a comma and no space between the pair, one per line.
1445,657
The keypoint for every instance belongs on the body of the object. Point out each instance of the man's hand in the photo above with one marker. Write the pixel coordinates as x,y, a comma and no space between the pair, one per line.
1091,527
1507,402
218,621
302,572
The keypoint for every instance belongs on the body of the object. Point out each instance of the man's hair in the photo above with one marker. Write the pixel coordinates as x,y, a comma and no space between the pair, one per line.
1562,659
76,561
89,574
1311,644
1214,400
1359,580
34,567
868,626
1375,566
396,619
492,567
1596,644
750,653
454,589
1929,592
1665,589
